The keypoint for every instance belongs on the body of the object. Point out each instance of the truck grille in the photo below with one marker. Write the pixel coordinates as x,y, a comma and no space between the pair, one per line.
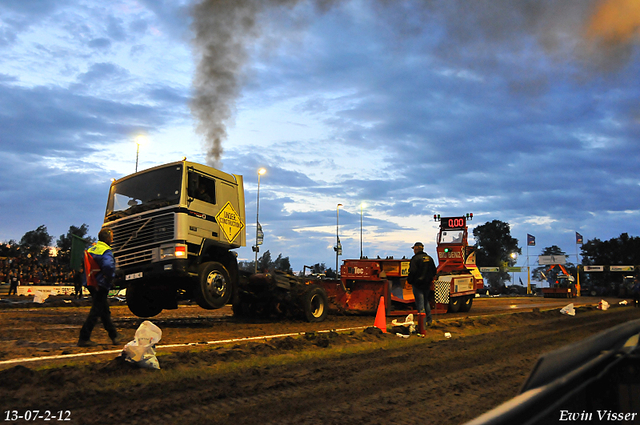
143,231
134,258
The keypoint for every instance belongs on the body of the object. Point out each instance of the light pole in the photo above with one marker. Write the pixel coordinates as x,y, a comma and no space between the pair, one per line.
338,246
361,213
139,140
256,248
514,257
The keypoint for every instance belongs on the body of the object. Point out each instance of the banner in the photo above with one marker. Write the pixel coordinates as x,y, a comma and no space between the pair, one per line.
578,239
548,260
593,268
260,237
489,269
621,268
513,269
531,240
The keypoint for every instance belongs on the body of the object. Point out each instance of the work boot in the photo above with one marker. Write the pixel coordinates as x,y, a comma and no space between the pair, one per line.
86,343
117,340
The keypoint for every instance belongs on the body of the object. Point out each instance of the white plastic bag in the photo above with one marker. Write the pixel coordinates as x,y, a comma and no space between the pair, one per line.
40,296
142,349
408,323
603,305
568,310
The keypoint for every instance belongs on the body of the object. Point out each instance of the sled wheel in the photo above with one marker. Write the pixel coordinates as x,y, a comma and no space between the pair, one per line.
215,287
140,302
315,304
466,304
454,304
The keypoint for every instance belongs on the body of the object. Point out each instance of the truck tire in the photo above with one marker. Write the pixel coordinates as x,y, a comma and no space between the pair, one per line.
315,304
214,286
466,304
140,303
455,304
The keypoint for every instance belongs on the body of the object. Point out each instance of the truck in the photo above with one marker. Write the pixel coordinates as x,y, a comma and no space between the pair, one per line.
363,281
174,228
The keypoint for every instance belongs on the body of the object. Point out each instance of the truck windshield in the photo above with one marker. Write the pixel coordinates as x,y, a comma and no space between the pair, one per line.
154,189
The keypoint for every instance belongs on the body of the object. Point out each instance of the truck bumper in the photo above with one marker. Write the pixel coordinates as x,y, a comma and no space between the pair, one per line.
170,269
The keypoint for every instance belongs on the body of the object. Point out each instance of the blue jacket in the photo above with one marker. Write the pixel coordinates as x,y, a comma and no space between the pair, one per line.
101,253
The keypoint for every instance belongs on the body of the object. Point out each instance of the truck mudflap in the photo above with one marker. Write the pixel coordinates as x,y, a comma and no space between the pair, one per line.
596,380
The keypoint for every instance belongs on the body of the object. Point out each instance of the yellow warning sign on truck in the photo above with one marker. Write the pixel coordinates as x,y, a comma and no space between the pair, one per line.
229,221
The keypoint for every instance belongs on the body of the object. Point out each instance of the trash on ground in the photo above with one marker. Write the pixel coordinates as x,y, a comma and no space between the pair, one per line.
40,296
404,329
568,310
142,350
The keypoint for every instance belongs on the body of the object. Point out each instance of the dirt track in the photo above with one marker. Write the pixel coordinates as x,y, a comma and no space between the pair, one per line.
353,377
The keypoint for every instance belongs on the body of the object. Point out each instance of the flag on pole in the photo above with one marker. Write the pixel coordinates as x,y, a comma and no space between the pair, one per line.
531,240
260,235
78,245
578,239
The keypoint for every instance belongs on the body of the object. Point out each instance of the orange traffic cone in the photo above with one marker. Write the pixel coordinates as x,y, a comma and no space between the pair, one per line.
381,317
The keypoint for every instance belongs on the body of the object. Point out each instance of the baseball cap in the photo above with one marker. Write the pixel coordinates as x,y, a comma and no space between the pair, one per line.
418,244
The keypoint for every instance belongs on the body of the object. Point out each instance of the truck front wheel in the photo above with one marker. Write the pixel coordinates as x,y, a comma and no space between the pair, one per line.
315,304
140,302
215,286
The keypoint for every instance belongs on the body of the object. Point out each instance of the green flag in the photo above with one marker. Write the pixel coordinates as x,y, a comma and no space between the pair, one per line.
78,245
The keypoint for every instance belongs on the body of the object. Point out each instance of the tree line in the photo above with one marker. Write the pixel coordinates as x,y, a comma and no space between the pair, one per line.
494,246
36,243
266,264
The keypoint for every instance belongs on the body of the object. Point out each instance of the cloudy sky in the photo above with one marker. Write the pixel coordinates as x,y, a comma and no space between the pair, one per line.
522,111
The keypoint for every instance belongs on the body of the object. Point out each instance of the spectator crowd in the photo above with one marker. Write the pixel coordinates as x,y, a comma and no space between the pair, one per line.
35,271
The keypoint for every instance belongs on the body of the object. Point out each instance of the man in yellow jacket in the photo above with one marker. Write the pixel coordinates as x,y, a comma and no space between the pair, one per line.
100,268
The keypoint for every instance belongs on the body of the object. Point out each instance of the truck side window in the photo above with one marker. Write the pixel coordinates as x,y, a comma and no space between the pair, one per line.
202,188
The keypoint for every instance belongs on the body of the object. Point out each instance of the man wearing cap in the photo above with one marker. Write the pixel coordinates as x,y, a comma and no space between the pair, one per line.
422,270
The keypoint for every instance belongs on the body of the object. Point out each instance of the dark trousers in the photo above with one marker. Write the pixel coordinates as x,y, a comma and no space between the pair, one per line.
99,310
78,292
421,296
13,288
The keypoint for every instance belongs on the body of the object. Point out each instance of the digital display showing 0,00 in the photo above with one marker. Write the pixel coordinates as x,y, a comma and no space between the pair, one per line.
453,222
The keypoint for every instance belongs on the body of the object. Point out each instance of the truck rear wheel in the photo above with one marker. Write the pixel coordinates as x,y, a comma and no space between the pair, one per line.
140,302
315,304
215,286
466,304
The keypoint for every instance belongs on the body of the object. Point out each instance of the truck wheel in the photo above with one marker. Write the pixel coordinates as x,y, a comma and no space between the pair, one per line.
315,304
140,302
215,287
466,304
455,304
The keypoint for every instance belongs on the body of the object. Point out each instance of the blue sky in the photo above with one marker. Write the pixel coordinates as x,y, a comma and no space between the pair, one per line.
525,112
